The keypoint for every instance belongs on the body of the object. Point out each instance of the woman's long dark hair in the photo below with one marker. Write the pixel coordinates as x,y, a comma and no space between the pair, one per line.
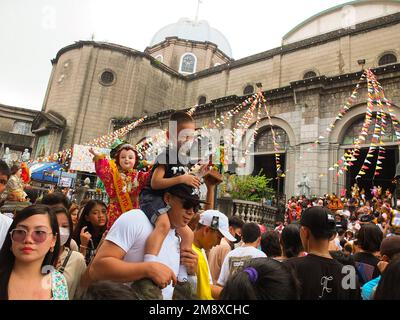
62,210
7,258
388,287
291,241
275,281
83,223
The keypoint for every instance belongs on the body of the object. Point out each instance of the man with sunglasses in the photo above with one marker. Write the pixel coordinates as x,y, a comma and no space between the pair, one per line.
122,254
5,221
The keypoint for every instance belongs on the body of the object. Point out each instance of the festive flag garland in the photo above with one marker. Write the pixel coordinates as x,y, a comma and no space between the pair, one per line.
346,107
64,157
376,150
275,143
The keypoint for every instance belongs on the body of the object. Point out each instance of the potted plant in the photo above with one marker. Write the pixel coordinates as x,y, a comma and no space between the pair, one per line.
250,188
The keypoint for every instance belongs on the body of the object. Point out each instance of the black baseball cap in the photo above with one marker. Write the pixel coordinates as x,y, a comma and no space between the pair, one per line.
185,192
320,221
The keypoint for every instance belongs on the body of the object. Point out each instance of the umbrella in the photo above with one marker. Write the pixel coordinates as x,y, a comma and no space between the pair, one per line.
46,172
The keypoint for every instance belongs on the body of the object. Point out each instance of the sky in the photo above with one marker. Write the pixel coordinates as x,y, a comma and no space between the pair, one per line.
33,31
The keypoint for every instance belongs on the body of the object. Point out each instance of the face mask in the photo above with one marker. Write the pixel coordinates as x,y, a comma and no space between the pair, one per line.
64,235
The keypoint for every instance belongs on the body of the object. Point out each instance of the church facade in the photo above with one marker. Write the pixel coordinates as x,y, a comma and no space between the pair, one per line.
96,87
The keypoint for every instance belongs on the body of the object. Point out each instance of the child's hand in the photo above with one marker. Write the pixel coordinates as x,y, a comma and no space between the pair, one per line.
191,180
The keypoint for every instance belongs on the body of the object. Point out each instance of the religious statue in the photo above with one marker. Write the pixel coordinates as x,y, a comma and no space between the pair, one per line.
355,191
7,157
374,192
379,191
388,194
335,203
304,186
25,156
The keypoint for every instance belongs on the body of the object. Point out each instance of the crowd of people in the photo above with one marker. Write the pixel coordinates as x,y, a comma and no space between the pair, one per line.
156,239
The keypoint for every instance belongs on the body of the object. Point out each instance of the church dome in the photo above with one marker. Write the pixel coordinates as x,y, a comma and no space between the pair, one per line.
191,30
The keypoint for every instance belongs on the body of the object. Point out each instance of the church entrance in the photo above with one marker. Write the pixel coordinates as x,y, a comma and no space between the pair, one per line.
368,181
264,155
266,164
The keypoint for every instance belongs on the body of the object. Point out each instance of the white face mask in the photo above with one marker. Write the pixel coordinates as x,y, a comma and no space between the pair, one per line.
64,235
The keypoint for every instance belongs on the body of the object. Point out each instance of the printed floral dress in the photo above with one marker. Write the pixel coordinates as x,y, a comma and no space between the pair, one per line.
134,182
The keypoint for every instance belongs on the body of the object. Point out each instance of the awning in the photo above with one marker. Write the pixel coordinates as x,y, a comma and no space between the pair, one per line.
45,172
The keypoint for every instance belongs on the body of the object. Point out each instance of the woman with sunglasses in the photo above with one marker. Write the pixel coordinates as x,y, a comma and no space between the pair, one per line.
91,227
29,256
70,263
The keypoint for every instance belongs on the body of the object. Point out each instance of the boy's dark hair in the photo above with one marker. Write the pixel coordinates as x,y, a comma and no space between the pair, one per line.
274,281
250,232
270,244
236,222
181,117
108,290
56,199
369,237
4,169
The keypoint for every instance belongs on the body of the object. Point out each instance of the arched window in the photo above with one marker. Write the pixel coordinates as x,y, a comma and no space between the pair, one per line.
159,58
387,59
188,63
249,89
354,130
265,141
309,74
202,100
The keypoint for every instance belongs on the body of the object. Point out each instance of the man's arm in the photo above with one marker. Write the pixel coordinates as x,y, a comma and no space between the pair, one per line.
108,264
211,184
215,291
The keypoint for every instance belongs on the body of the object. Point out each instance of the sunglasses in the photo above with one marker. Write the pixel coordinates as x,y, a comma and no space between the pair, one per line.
3,181
19,235
188,204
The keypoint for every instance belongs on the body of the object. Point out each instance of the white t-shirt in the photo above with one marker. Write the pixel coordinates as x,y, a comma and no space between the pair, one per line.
130,232
5,223
235,259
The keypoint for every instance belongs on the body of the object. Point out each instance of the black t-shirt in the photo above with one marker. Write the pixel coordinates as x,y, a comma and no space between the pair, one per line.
367,266
321,279
170,159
